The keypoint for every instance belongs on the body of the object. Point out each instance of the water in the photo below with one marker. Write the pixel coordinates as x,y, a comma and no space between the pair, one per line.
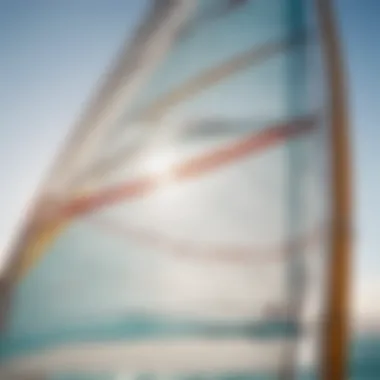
364,365
365,357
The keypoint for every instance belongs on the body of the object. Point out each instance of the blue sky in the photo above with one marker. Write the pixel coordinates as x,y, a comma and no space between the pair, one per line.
53,52
360,32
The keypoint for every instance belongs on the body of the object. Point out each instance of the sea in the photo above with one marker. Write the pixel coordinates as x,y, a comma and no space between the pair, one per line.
364,365
365,357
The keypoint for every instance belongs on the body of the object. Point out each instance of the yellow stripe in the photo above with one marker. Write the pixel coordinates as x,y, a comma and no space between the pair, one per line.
39,241
37,247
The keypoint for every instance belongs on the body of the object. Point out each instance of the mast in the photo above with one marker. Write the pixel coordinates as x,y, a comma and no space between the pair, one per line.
335,335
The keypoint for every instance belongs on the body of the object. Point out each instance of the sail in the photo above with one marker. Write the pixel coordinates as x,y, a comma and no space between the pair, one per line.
183,230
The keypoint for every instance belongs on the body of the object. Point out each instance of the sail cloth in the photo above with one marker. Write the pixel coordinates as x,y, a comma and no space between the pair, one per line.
183,228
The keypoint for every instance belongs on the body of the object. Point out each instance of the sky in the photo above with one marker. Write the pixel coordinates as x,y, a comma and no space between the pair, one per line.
360,30
53,53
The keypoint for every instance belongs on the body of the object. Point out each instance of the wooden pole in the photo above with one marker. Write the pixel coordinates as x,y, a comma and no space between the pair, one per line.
335,342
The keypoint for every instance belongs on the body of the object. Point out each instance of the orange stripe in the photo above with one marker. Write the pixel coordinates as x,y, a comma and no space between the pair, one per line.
195,167
255,143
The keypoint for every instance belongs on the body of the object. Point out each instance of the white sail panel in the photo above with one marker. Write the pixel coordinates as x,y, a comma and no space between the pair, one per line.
192,237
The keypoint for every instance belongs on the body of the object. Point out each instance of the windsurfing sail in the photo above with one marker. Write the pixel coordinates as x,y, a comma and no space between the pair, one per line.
185,229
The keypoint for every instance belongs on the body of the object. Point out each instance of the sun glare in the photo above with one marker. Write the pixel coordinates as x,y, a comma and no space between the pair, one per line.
159,162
